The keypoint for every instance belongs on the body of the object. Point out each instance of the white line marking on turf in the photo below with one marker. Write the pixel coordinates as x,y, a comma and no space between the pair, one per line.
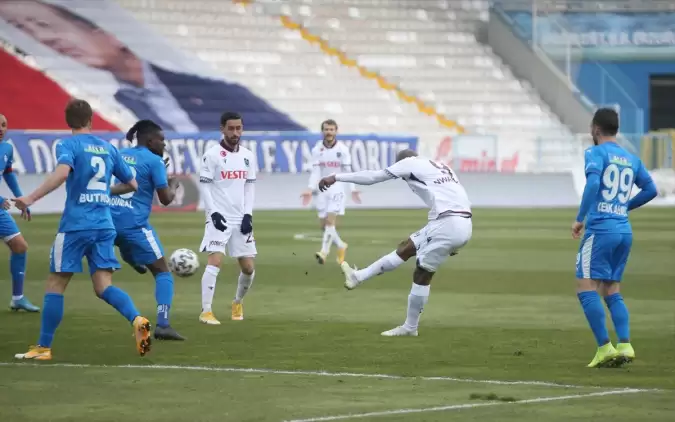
467,406
307,373
313,238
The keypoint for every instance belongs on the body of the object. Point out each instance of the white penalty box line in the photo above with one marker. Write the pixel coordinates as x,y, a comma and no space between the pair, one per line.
397,412
315,373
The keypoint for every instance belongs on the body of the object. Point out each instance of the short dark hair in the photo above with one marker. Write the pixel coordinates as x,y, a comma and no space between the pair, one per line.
607,120
142,129
78,114
229,115
330,122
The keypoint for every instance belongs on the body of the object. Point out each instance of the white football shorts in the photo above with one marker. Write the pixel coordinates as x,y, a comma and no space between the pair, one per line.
231,240
331,202
440,238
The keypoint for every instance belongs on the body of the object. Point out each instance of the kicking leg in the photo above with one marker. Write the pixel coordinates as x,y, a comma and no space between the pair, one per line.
417,299
164,298
17,266
389,262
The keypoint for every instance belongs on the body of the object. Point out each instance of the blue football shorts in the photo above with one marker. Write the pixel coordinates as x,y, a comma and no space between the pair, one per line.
603,256
8,228
140,245
98,246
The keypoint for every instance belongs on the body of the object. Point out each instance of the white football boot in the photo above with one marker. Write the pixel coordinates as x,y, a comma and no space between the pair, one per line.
350,278
400,331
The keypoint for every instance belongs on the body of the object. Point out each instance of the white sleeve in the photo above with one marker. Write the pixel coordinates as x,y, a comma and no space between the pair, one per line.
366,177
347,167
205,183
315,173
400,169
249,188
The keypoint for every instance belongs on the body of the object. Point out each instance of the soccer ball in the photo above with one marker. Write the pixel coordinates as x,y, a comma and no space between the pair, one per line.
183,262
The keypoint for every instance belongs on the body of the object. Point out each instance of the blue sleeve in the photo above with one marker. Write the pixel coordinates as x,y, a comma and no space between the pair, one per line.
647,188
65,153
592,162
10,177
590,192
158,174
121,169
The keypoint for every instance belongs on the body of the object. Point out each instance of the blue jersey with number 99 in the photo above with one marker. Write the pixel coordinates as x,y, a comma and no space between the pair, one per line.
618,171
93,162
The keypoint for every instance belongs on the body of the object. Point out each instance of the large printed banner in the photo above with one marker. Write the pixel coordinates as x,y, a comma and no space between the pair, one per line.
34,152
603,36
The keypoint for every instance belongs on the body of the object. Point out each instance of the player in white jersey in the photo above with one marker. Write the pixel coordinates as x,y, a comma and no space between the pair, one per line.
448,230
328,157
226,180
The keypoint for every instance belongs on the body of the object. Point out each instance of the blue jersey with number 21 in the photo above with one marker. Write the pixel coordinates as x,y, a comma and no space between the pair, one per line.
618,171
93,162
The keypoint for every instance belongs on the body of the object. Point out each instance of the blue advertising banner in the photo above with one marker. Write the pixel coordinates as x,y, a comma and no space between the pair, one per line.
603,36
34,152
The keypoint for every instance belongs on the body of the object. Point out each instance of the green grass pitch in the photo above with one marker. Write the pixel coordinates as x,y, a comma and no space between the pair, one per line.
504,309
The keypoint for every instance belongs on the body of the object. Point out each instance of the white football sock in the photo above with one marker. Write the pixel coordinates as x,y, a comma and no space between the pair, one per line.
209,286
336,237
327,240
243,284
419,295
382,265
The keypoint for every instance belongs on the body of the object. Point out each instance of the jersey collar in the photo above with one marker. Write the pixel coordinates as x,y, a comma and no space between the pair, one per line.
224,146
323,142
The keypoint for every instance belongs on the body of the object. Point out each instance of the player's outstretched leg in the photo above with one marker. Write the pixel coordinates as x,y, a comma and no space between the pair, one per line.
52,314
164,299
591,303
244,282
121,301
17,266
209,279
417,299
389,262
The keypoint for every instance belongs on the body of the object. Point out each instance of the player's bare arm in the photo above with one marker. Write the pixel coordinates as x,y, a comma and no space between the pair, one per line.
168,194
56,179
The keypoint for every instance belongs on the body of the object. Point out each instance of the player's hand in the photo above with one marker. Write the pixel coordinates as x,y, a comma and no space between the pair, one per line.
356,197
173,183
327,182
25,214
23,202
218,221
6,204
306,197
247,224
577,228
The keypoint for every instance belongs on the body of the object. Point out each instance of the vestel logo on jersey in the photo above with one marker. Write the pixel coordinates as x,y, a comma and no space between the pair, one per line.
234,174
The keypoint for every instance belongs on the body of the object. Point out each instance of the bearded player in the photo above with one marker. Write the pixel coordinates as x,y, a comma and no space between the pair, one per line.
448,230
226,180
328,157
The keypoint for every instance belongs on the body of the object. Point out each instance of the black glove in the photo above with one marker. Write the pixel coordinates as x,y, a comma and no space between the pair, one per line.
247,224
218,221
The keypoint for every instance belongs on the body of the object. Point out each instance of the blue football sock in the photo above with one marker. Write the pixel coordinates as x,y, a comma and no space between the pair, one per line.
619,313
17,266
120,300
52,313
164,297
595,314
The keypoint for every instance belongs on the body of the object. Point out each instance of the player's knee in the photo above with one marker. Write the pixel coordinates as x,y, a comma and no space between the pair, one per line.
587,285
406,249
18,245
215,259
247,266
422,276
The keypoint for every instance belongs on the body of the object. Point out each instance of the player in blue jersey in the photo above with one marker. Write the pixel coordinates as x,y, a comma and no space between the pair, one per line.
9,231
611,172
86,164
137,240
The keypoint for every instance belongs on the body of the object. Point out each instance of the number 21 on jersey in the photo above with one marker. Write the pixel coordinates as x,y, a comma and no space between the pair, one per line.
617,183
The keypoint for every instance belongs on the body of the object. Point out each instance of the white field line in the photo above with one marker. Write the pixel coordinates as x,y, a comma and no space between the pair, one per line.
467,406
312,238
303,373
